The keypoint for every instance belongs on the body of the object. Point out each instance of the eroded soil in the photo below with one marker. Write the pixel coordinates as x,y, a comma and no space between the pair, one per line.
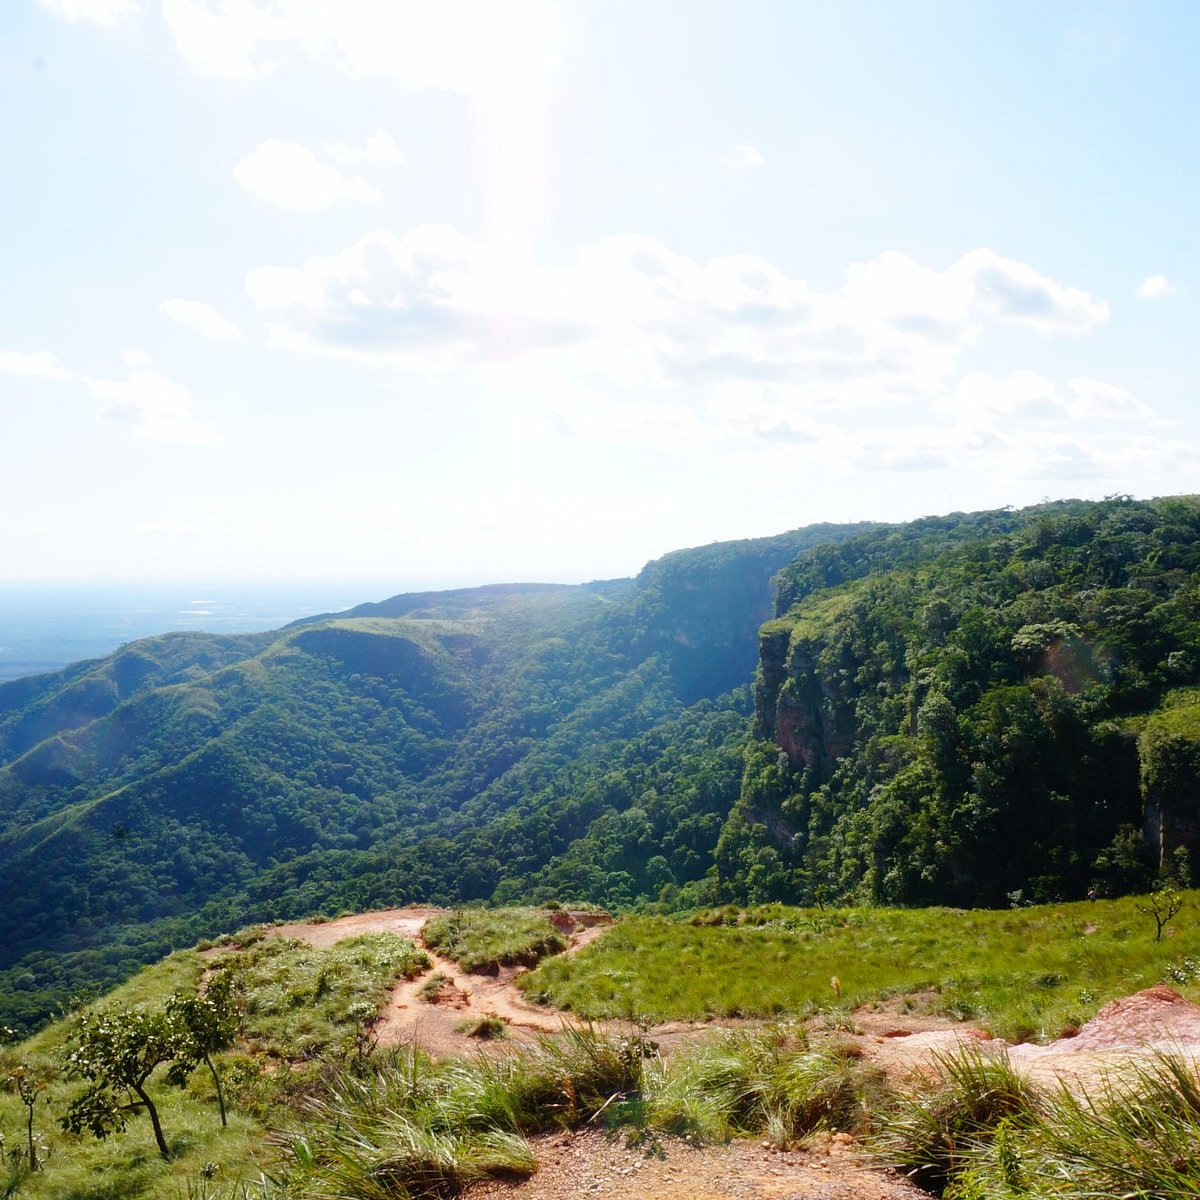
440,1026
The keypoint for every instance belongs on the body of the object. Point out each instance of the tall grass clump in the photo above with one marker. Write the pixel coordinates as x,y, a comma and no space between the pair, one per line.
1136,1134
933,1132
303,1002
775,1083
400,1125
568,1079
483,940
391,1129
1027,974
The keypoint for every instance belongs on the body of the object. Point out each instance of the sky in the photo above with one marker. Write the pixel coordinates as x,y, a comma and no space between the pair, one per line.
421,295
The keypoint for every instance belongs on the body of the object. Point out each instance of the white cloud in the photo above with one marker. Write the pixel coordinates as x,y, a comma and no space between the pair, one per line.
380,147
425,301
751,410
1014,292
1030,397
38,365
1093,398
108,13
633,311
222,40
646,424
291,176
1156,287
477,47
901,448
201,318
1010,449
1024,395
156,407
742,157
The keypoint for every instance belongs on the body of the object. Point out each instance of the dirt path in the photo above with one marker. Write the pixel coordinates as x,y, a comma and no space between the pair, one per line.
602,1167
465,998
407,922
590,1165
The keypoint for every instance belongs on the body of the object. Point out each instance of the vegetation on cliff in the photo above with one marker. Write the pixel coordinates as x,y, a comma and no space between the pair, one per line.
949,711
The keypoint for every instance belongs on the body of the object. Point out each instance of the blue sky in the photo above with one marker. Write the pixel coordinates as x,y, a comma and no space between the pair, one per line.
420,295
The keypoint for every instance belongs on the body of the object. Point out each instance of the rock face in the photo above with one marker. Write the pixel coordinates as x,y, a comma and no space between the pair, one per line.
1169,754
797,705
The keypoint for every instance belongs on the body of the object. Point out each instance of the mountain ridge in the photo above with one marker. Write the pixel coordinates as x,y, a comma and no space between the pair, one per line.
191,781
677,739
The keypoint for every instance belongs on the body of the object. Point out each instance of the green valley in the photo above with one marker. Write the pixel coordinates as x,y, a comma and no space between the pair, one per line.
973,710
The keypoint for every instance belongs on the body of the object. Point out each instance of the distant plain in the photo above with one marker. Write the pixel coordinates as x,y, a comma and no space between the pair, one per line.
46,626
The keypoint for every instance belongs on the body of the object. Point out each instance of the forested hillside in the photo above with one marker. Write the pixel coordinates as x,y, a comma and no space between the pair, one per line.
978,710
478,744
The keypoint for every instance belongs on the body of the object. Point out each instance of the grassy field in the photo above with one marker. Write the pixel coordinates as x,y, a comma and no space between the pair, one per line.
316,1111
305,1010
1025,974
485,939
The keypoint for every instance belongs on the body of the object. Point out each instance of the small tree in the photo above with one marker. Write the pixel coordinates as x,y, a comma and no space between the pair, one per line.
117,1051
206,1024
1162,905
29,1082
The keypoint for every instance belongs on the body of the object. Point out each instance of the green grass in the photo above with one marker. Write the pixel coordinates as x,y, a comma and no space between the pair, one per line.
978,1131
405,1126
775,1082
127,1164
485,939
306,1010
303,1003
933,1132
1025,974
317,1111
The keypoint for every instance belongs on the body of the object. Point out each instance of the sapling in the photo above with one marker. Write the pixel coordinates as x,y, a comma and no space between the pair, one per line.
29,1082
205,1024
1162,905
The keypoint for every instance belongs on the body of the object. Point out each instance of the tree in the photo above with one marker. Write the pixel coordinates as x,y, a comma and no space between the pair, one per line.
1162,906
117,1051
29,1082
205,1024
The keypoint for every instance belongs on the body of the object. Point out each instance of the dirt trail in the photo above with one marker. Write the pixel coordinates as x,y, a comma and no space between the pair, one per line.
600,1167
588,1164
465,998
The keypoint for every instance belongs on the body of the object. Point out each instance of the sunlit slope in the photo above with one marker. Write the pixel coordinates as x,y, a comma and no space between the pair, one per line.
441,747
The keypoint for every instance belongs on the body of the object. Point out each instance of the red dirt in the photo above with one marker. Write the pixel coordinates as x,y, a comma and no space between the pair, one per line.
1134,1028
465,998
600,1167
